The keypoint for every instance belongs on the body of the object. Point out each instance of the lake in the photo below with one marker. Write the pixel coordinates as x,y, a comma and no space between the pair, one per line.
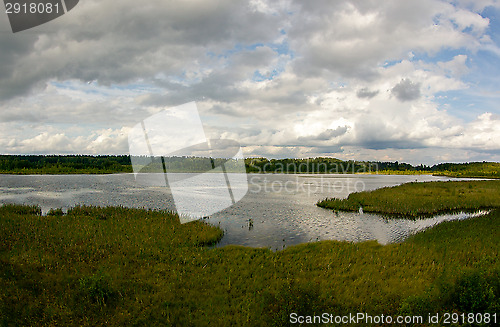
278,210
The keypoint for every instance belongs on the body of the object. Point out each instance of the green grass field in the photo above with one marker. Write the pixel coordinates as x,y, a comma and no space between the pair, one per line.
422,199
129,267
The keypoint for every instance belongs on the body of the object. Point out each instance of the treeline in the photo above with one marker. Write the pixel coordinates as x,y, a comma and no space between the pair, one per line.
470,169
59,164
309,165
106,164
332,165
473,169
146,164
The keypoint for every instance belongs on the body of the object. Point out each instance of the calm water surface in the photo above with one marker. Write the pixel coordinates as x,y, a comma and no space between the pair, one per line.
278,210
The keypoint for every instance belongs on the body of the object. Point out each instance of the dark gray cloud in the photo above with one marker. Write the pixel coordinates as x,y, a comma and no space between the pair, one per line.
351,38
325,135
366,93
406,90
22,116
391,144
119,42
379,133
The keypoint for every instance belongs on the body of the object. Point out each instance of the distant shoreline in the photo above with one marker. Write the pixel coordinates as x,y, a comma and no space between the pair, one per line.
103,165
388,173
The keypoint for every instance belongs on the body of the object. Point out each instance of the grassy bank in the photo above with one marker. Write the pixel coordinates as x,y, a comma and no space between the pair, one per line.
121,267
421,199
473,169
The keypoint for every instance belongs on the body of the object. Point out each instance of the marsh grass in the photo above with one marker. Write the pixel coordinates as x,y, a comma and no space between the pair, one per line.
422,199
120,267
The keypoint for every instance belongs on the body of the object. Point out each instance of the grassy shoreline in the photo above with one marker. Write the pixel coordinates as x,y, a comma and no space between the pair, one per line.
422,199
118,266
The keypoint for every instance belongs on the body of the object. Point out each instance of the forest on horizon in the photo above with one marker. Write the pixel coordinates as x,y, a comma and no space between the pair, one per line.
106,164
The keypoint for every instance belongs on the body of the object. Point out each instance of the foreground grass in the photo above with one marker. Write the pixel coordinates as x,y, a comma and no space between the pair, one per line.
421,199
121,267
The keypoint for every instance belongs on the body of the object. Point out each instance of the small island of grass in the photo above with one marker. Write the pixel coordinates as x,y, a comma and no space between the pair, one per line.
422,199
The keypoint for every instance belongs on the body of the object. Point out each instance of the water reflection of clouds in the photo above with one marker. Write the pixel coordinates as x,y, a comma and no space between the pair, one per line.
21,193
15,190
355,227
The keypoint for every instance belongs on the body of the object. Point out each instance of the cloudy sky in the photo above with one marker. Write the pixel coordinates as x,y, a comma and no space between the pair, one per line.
413,81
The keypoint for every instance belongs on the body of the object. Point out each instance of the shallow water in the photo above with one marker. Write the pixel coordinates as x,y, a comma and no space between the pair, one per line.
278,210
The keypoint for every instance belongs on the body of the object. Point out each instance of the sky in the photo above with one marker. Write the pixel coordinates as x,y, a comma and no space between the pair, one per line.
409,81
